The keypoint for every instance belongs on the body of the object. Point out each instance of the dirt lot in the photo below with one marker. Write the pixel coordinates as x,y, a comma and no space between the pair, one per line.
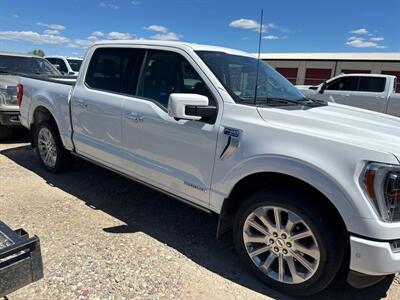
105,237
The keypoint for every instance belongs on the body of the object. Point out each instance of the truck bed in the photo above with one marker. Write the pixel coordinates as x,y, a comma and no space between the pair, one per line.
53,94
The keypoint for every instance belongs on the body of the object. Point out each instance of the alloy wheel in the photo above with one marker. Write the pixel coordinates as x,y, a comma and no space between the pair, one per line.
281,244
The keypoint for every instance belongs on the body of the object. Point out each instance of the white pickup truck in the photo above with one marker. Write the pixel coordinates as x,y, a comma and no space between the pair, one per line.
369,91
307,187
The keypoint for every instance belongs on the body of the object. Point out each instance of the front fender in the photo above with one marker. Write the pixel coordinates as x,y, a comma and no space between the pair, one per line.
310,174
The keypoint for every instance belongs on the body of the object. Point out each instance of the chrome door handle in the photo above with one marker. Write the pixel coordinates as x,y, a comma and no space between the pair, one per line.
134,117
81,103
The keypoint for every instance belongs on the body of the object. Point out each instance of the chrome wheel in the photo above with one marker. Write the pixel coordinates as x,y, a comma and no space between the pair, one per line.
47,147
281,244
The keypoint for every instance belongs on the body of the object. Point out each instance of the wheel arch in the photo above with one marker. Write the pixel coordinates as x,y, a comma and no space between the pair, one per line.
251,182
40,114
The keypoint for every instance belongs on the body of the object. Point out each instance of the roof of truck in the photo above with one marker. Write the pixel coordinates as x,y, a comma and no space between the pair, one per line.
18,54
62,56
367,56
196,47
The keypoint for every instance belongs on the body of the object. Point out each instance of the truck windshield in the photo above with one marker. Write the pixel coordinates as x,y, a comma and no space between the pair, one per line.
75,64
26,65
238,75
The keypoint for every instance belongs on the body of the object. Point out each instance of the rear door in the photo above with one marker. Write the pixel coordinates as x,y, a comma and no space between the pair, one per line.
175,155
370,94
97,104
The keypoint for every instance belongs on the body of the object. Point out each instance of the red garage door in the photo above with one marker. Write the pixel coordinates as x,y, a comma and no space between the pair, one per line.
394,73
356,71
317,76
289,73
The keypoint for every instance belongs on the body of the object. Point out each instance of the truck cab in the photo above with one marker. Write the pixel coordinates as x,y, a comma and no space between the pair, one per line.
66,65
374,92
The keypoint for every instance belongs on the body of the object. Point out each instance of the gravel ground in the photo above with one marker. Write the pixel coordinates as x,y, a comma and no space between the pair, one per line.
105,237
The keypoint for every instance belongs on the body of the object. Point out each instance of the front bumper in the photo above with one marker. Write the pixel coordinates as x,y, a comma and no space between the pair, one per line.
373,258
10,118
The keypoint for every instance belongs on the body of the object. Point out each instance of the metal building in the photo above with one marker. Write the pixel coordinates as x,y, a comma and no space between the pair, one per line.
314,68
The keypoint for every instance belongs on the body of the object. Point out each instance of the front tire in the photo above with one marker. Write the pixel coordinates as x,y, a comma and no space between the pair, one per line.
49,148
288,242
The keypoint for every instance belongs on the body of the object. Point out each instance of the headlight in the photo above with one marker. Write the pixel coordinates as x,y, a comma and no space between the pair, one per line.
8,96
381,183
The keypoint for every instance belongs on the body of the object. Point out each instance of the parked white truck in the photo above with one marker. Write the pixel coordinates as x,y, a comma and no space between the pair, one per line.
11,66
308,188
66,65
369,91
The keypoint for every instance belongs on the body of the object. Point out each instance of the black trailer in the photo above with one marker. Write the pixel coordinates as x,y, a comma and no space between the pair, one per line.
20,259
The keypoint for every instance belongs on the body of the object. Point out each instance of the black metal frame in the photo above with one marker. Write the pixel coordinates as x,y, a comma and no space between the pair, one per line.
20,259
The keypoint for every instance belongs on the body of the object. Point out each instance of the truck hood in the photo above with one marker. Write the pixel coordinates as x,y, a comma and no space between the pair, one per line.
342,123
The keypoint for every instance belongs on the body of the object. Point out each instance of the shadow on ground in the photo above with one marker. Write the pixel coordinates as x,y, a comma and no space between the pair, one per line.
189,231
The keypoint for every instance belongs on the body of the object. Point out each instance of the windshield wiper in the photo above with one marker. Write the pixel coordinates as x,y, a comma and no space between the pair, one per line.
271,101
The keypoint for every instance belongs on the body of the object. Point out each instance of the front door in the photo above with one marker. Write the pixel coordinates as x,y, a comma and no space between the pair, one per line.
175,155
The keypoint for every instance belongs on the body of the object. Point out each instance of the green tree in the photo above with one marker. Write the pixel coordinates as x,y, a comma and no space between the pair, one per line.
38,52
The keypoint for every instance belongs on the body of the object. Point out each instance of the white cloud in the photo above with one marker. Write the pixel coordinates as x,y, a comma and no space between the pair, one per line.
51,37
271,37
136,2
247,24
363,43
359,31
97,33
33,37
156,28
82,43
377,38
51,31
170,36
119,36
15,16
52,26
109,5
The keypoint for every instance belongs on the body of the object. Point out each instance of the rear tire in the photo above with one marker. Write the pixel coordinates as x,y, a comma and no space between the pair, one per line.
271,248
49,148
5,132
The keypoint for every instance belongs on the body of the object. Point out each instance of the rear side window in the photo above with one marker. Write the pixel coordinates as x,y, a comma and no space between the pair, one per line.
115,70
348,83
62,65
168,72
372,84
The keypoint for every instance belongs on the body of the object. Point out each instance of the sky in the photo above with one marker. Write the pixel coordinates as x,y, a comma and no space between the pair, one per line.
68,27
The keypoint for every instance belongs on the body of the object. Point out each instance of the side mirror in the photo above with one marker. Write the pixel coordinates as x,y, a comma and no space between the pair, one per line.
190,107
322,89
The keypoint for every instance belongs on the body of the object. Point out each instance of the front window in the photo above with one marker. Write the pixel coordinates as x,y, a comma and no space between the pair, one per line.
75,64
26,65
239,75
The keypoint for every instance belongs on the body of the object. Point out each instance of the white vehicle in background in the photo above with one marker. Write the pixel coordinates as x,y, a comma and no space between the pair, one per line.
66,65
11,66
369,91
308,187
